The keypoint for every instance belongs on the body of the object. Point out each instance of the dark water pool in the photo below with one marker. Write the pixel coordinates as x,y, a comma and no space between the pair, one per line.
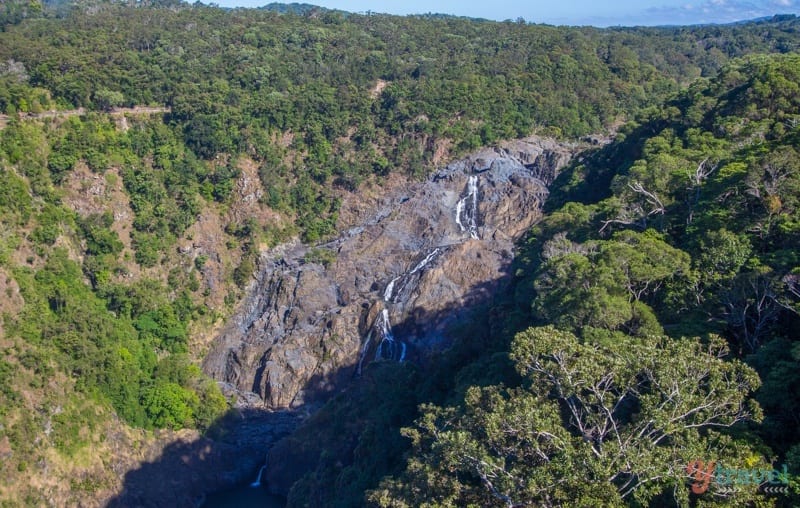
244,496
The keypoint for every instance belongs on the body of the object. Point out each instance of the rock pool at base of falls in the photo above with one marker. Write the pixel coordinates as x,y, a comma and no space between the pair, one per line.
244,496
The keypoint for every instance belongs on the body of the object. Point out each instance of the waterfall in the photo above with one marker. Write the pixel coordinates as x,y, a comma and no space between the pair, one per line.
385,328
473,191
425,261
363,354
387,294
257,483
469,213
459,211
389,348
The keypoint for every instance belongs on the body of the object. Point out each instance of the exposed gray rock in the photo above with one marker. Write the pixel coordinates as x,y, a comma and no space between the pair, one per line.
305,329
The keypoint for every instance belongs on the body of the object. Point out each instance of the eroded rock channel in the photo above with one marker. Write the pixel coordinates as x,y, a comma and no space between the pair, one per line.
416,264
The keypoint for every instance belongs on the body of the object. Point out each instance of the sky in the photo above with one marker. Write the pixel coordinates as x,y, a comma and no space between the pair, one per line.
567,12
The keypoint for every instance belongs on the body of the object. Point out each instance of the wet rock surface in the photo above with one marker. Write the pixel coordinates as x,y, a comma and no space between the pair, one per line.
424,255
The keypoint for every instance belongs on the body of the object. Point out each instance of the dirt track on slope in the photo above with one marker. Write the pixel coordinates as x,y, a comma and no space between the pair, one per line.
116,112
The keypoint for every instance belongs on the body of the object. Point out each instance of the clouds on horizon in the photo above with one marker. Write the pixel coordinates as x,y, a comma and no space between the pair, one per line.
696,12
570,12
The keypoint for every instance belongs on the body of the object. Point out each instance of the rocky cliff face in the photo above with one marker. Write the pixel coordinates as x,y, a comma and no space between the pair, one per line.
413,265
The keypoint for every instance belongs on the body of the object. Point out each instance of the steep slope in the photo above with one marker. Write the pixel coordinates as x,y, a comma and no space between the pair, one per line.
389,287
663,274
126,238
659,285
112,278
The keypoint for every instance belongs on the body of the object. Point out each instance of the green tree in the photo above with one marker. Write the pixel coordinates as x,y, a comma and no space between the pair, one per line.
170,405
106,100
596,424
600,283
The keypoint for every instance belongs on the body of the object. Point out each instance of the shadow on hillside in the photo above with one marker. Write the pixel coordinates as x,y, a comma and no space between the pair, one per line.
441,342
187,470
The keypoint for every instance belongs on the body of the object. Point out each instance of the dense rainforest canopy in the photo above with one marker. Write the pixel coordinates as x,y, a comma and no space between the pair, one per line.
661,253
686,225
653,319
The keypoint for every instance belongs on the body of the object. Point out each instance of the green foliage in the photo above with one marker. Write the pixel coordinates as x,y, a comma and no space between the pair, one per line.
72,427
594,424
322,256
7,393
114,355
26,146
265,76
211,404
15,200
14,11
100,239
106,336
222,181
244,272
716,173
107,100
49,225
778,363
169,405
164,196
162,327
352,430
688,221
722,255
683,225
600,284
200,261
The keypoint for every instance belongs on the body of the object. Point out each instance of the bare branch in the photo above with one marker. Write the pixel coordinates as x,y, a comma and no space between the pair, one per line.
703,171
651,197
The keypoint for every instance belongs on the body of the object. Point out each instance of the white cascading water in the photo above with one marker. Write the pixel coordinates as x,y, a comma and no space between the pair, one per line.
382,324
425,261
392,294
257,483
470,213
473,191
386,335
387,294
459,211
387,347
363,354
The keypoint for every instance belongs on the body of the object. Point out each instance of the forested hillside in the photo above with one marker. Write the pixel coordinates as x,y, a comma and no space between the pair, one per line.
357,95
248,63
128,237
653,321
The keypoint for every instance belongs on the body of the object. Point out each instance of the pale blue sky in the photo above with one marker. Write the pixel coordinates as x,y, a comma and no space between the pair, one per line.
571,12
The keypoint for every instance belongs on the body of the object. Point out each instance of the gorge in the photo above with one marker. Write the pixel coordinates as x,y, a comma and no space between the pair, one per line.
359,259
415,265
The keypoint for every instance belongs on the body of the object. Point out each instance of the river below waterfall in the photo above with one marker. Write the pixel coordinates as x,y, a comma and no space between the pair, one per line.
244,496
